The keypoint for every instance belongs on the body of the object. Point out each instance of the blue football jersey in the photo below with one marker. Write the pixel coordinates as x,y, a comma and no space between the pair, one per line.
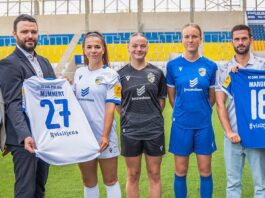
192,80
247,87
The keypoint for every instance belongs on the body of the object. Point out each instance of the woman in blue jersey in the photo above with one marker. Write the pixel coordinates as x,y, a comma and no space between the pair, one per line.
142,124
190,85
98,91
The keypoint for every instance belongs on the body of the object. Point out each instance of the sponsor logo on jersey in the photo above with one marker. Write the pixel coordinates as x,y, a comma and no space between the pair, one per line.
227,81
84,92
194,82
180,68
202,71
151,77
254,126
141,90
99,80
250,126
117,91
161,147
127,78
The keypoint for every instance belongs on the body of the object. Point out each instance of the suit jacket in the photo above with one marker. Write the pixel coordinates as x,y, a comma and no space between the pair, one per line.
13,71
2,123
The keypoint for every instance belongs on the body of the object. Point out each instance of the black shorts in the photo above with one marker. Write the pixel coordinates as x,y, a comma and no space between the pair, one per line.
132,147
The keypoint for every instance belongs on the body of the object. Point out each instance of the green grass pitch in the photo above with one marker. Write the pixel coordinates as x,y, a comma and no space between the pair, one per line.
65,182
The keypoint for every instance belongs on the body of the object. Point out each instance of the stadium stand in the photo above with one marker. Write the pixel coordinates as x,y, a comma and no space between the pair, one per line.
258,31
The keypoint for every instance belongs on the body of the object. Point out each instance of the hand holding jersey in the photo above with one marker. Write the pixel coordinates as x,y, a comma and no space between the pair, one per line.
60,124
233,136
235,68
29,144
249,105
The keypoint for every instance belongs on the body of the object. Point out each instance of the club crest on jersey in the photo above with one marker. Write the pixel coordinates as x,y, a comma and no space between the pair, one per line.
84,92
202,71
227,81
99,80
127,78
151,77
194,82
141,90
180,68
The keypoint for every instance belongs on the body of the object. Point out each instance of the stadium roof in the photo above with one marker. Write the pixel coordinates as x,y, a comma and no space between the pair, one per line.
49,7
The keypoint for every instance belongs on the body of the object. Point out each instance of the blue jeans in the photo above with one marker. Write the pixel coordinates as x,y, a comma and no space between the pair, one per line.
235,155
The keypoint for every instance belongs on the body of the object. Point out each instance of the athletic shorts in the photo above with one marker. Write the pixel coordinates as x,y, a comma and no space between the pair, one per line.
185,141
132,147
111,151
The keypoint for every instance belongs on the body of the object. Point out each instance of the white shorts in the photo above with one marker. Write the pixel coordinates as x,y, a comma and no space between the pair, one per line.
112,150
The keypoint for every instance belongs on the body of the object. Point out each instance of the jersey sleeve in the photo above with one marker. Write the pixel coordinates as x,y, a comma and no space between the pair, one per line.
227,85
77,77
220,77
169,76
114,90
213,76
23,99
162,87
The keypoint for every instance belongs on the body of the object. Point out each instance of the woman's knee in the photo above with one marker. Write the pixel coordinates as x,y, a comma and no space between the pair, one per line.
133,176
154,175
90,182
205,170
110,180
181,170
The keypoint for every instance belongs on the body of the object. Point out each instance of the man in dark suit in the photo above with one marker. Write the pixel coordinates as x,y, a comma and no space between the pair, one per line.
31,173
2,125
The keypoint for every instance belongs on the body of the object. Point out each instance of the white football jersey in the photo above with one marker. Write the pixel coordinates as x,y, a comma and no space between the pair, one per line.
93,89
59,126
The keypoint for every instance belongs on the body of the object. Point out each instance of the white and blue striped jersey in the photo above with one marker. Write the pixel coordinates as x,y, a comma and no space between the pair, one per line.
93,89
58,124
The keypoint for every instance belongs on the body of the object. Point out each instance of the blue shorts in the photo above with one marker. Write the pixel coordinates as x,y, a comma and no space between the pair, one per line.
185,141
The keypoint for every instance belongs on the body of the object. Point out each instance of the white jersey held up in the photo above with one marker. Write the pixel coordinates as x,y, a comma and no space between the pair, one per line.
58,125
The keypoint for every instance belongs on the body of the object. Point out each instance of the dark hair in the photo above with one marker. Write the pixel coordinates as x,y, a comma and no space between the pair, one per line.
196,26
23,17
101,37
136,34
241,27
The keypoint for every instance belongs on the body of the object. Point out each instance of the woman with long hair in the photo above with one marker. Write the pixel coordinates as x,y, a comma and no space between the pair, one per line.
98,91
